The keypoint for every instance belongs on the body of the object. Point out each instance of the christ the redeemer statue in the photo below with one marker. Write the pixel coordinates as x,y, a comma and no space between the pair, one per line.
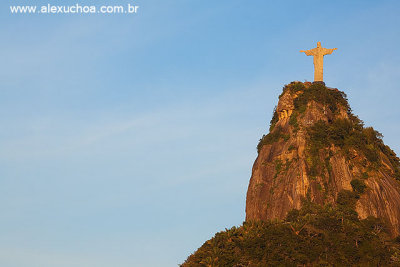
318,53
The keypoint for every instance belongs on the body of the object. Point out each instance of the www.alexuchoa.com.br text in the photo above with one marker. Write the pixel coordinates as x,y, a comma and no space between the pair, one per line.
74,9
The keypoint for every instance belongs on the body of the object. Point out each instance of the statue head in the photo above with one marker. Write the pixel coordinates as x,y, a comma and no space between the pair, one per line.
318,44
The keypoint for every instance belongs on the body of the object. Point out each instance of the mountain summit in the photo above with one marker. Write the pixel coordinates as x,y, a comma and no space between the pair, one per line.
316,148
324,191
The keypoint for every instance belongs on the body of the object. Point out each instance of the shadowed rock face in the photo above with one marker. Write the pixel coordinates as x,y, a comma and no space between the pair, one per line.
293,164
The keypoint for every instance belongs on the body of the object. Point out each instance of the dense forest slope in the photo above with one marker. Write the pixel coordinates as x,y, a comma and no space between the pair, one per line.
315,235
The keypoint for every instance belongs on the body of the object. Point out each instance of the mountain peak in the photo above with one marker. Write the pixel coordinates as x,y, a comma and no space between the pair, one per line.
324,190
316,148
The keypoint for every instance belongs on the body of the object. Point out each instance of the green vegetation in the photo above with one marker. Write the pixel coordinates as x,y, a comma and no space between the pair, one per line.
278,166
287,164
347,134
316,92
296,87
272,137
286,137
347,198
394,160
319,93
315,235
343,133
358,185
274,120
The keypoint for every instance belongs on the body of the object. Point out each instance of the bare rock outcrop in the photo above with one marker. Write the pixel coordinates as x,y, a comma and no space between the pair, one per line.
315,149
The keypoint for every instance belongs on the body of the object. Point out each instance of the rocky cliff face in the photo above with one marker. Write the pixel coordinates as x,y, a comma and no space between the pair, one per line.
315,149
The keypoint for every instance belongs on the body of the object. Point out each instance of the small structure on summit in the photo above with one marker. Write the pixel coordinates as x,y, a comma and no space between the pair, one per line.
318,53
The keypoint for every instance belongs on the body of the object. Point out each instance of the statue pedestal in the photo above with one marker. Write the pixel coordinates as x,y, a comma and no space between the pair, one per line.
319,82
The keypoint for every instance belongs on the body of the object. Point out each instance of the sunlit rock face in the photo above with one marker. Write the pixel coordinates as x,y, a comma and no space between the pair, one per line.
294,162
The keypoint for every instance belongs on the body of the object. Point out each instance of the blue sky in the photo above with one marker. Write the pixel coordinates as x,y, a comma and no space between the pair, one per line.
128,140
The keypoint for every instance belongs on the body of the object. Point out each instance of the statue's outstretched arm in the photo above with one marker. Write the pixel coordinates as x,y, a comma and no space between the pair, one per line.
308,52
329,51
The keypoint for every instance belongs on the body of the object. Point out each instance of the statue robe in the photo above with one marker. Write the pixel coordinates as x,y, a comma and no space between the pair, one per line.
318,53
